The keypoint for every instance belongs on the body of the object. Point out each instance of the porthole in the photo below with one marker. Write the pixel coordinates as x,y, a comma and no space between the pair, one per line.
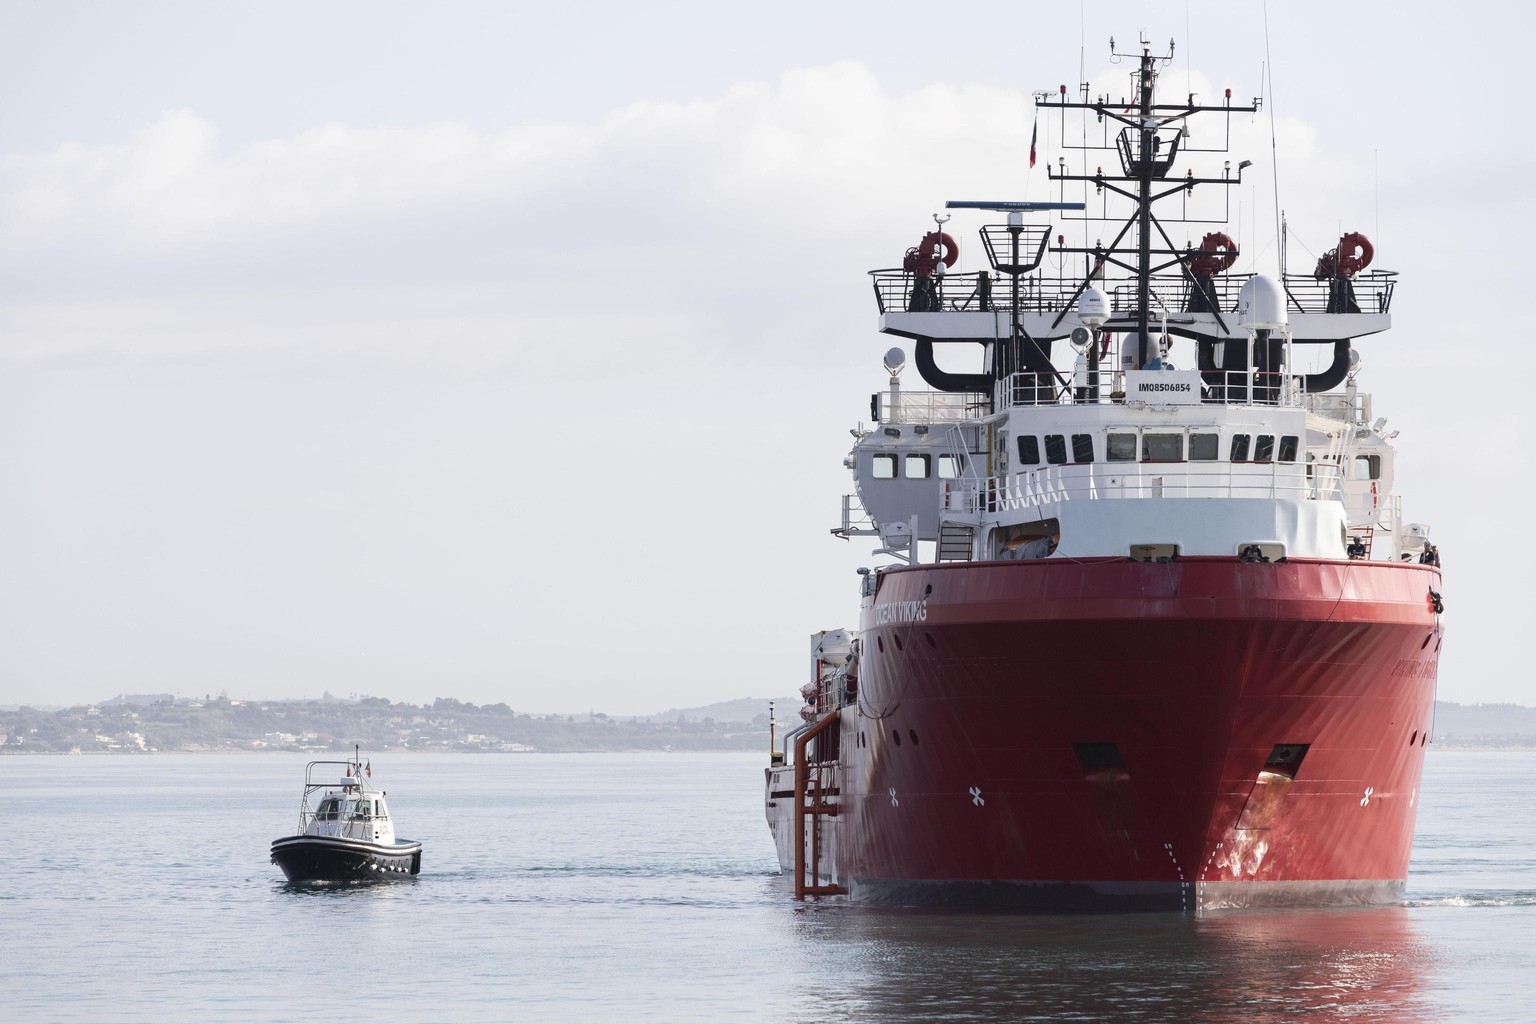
896,736
931,642
1427,638
1425,738
899,645
912,735
1414,738
880,643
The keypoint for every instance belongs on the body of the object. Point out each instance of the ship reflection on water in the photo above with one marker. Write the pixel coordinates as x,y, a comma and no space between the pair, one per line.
1357,964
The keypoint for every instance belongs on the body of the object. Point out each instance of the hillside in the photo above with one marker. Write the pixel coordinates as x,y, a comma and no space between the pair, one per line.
162,724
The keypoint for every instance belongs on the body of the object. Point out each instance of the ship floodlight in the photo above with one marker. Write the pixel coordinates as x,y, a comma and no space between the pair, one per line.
892,431
920,429
896,359
1245,163
1093,307
1080,339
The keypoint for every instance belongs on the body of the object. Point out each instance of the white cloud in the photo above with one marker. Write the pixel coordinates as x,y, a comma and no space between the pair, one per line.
489,414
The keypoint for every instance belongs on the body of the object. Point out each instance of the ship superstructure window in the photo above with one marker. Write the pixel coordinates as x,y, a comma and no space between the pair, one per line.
1264,448
885,467
1367,467
917,467
1120,447
1029,450
949,467
1204,447
1240,447
1082,447
1288,447
1055,449
1162,447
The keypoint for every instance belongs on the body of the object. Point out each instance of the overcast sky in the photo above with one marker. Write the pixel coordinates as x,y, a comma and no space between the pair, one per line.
507,352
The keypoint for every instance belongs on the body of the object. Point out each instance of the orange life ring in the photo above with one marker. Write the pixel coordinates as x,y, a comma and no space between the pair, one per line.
1353,255
922,258
1217,252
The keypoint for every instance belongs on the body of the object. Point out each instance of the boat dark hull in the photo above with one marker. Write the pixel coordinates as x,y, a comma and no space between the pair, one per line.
1104,735
328,859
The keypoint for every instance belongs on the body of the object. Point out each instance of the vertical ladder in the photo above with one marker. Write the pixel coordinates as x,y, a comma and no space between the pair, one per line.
810,807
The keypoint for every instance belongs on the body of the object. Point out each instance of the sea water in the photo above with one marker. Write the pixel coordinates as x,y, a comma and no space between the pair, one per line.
644,887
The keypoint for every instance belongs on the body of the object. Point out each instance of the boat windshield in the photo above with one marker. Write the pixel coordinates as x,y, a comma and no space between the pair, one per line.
327,809
359,808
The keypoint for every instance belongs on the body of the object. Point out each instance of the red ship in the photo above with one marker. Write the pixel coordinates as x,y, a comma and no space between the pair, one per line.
1148,638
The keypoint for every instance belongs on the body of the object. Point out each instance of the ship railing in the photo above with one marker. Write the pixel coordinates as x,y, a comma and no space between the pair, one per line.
856,521
1052,485
899,291
1368,292
932,407
1218,387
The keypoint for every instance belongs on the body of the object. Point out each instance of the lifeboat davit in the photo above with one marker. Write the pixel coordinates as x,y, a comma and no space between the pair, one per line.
1353,255
1217,252
923,257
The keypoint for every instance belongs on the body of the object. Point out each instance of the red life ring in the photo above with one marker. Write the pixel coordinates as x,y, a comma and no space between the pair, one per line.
921,258
1353,255
1217,252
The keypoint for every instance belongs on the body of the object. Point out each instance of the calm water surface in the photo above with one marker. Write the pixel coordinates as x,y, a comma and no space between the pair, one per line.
633,887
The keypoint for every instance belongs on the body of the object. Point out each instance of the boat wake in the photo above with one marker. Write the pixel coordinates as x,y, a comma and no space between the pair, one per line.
1491,898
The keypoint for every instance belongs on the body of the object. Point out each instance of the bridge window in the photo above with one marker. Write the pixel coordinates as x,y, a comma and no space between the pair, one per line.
1240,447
1055,449
917,467
949,467
1264,448
1204,447
1288,446
1120,447
1367,467
1162,447
1082,447
885,467
1029,450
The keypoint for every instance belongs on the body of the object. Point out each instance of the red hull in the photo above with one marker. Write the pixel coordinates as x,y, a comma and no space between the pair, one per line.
979,765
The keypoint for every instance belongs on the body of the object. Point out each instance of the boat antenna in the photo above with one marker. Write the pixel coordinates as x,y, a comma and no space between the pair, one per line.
1274,149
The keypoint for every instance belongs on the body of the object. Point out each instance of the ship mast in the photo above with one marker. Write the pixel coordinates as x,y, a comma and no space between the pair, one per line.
1152,136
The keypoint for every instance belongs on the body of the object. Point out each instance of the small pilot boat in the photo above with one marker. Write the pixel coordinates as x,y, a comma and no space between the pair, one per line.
345,831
